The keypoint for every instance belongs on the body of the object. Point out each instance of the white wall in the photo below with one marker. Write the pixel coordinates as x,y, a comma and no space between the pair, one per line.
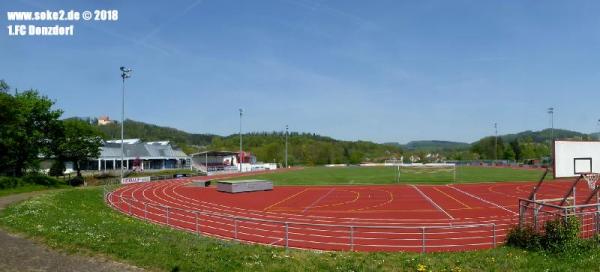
565,153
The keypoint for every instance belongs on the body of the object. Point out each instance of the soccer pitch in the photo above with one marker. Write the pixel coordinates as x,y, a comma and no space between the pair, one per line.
388,175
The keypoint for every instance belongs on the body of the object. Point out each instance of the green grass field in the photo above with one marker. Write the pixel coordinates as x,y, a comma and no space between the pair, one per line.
388,175
77,220
29,188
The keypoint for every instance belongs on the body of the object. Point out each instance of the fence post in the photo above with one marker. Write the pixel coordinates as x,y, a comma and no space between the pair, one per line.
494,232
235,231
597,213
521,213
167,215
351,238
197,227
286,235
535,215
129,204
422,239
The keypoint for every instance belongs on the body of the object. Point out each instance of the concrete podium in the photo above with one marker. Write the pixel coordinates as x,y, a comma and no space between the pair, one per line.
239,186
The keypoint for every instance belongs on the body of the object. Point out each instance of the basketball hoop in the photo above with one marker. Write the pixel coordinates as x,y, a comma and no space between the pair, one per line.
591,179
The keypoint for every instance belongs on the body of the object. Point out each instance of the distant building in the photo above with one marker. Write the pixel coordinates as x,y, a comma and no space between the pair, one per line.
213,162
139,156
104,120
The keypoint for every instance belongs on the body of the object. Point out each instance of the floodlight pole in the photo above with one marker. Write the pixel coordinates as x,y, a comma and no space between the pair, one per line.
495,141
125,73
551,112
286,146
241,150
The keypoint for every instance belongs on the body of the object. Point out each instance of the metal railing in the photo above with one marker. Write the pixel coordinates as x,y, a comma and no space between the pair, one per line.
305,235
535,213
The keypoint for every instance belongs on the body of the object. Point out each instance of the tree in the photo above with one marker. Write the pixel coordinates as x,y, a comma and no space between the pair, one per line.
514,144
79,142
57,168
27,121
485,148
509,153
4,88
8,113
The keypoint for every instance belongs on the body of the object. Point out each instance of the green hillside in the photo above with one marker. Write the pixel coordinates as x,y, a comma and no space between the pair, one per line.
189,142
307,148
314,149
545,135
433,145
304,148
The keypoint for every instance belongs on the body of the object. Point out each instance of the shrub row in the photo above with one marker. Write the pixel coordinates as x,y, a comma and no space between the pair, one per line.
559,235
35,179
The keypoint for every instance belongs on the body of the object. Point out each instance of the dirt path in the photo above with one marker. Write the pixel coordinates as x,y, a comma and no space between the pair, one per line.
20,254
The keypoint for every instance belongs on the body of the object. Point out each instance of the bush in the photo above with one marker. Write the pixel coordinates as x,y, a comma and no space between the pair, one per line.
40,180
10,182
525,237
57,169
559,235
76,181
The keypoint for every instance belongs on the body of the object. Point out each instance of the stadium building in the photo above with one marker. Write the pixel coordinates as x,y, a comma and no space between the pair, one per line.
139,156
215,162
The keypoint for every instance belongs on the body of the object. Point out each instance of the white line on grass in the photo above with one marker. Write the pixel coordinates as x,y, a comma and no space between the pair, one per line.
432,202
483,200
318,200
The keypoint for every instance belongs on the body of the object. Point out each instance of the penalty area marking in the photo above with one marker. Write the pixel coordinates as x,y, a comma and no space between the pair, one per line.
483,200
432,202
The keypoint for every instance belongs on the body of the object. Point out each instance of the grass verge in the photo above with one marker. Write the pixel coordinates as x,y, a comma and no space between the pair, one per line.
79,221
29,188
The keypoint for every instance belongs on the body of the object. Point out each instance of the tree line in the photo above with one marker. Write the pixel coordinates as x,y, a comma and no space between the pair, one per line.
306,148
31,130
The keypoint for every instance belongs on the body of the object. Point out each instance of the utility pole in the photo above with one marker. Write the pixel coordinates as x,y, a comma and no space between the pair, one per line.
125,73
286,146
241,150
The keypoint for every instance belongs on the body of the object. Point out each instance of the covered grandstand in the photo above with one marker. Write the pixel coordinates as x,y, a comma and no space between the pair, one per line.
139,156
217,162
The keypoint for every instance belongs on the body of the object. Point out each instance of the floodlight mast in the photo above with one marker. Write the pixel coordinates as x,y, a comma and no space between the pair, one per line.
496,141
551,112
125,73
286,146
241,150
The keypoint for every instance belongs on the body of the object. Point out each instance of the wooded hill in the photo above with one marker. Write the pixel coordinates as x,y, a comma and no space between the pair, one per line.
303,148
314,149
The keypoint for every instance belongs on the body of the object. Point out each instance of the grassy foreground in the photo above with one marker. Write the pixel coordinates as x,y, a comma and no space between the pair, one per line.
29,188
388,175
77,220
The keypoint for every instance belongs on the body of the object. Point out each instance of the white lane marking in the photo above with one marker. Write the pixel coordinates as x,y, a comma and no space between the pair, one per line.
432,202
483,200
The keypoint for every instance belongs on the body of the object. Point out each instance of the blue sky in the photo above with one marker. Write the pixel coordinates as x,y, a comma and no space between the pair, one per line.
371,70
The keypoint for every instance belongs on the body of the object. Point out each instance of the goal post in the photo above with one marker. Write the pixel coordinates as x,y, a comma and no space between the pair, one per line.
423,171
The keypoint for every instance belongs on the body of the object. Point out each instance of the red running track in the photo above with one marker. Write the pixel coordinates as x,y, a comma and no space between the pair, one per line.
420,218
